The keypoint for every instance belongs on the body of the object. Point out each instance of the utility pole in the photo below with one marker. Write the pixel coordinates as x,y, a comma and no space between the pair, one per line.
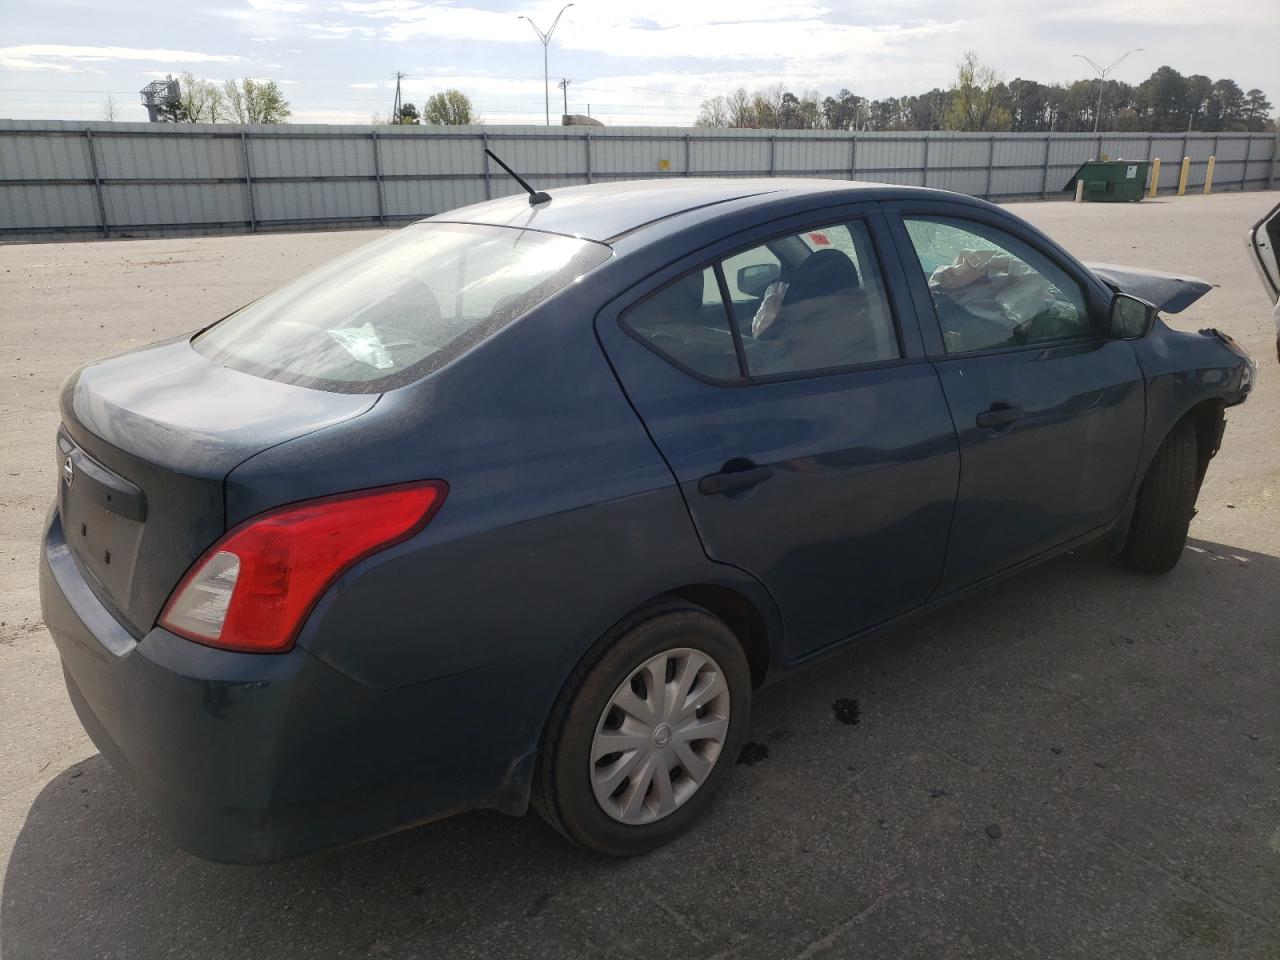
1103,73
395,110
564,85
546,39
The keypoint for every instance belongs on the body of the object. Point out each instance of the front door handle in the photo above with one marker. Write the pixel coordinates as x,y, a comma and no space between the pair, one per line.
1000,414
734,480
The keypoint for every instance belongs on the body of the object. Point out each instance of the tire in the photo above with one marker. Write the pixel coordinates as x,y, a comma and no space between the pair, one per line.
1166,503
567,781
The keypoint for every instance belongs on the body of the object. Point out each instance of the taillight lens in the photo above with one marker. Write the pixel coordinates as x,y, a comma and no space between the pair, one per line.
253,589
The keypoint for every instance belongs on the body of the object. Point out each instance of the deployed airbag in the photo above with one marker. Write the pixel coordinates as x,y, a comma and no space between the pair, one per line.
993,286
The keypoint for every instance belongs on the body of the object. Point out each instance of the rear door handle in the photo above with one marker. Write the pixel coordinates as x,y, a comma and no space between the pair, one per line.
734,480
1001,414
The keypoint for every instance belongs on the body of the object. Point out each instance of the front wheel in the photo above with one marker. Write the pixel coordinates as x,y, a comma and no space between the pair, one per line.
1166,503
645,730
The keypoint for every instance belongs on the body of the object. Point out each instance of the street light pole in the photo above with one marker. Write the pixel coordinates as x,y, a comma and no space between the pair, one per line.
546,39
1103,73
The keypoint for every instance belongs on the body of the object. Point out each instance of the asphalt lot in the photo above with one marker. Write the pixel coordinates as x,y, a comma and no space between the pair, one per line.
1122,732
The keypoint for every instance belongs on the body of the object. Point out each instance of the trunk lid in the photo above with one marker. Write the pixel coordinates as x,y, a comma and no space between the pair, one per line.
147,440
1168,292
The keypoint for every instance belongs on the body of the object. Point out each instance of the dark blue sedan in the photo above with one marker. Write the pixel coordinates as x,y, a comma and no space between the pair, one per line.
521,503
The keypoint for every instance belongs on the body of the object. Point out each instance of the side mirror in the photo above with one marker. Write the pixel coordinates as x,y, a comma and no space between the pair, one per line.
755,279
1131,318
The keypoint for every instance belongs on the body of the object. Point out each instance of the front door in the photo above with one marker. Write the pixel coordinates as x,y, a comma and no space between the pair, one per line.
1048,411
810,438
1264,249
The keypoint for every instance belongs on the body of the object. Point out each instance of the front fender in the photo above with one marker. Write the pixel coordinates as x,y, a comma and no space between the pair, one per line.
1183,371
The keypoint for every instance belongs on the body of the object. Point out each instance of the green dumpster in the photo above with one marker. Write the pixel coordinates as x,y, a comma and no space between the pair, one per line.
1111,181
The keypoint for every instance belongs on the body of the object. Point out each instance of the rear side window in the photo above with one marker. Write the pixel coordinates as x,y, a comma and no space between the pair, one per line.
812,301
686,322
798,304
395,310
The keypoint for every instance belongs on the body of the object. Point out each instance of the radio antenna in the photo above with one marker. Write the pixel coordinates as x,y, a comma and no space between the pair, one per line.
535,196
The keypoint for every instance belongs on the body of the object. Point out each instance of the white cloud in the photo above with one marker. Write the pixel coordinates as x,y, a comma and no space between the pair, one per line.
713,29
337,31
381,7
278,6
64,58
26,64
1172,13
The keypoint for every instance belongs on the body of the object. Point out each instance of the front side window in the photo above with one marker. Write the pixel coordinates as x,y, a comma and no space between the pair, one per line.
396,309
991,290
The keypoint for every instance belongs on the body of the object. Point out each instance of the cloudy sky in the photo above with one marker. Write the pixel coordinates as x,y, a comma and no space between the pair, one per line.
647,62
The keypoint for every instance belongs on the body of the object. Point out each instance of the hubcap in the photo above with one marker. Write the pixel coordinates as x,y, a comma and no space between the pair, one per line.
660,736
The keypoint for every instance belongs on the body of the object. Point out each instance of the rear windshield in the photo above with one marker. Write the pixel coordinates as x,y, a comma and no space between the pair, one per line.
395,310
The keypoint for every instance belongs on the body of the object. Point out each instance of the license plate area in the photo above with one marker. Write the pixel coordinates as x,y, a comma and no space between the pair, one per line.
103,516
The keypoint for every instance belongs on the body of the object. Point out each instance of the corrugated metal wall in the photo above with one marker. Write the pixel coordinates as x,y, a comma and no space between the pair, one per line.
63,179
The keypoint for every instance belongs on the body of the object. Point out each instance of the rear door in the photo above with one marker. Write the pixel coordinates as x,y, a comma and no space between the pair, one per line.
811,439
1049,412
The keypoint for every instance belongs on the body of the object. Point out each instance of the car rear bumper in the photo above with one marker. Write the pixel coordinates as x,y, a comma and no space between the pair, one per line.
253,757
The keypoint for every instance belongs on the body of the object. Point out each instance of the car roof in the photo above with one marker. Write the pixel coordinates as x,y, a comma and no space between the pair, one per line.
606,211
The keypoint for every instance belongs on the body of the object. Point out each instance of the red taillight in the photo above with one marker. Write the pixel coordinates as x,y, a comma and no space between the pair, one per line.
253,588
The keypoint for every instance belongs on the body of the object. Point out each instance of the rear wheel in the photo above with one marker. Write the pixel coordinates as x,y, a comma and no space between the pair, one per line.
1166,503
645,730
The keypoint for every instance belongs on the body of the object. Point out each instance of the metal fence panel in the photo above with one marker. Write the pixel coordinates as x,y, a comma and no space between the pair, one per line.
162,158
173,204
34,156
66,179
33,208
310,200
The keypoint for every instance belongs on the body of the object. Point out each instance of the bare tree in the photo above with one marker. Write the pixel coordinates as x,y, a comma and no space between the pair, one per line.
110,110
741,111
976,97
255,101
200,101
767,105
713,113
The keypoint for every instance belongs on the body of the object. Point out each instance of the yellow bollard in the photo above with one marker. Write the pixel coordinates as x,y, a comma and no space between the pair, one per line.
1155,176
1208,177
1079,190
1182,177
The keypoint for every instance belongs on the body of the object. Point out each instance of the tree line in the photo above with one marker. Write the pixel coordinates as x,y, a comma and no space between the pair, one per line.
980,100
234,101
262,101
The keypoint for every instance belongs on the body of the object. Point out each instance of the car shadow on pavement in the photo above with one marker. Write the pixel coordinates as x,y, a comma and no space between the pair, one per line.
1032,709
